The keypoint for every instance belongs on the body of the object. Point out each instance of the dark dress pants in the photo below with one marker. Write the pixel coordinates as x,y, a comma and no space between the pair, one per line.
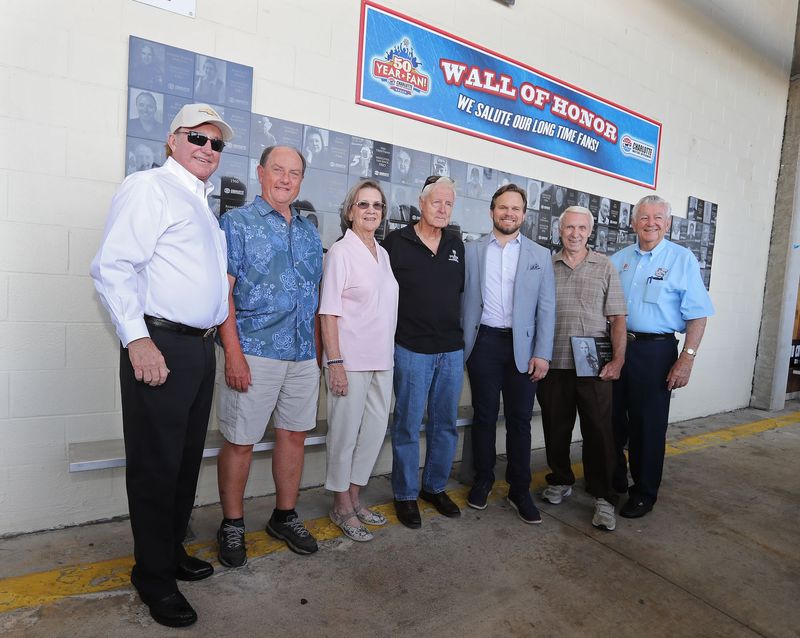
492,371
165,429
641,413
562,395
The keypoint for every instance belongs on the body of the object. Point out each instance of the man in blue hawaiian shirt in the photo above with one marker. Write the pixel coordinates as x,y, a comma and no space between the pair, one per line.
274,270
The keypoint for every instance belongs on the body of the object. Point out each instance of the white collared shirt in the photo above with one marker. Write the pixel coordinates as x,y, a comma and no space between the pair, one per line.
498,292
163,254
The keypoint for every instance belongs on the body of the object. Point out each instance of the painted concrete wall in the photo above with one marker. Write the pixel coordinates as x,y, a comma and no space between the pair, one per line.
717,79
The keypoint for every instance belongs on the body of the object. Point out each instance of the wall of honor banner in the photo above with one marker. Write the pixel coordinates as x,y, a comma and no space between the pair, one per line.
161,79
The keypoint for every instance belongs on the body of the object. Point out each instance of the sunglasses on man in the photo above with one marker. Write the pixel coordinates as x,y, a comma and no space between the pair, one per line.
198,139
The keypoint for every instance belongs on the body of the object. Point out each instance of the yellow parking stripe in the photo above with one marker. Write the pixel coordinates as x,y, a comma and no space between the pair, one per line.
31,590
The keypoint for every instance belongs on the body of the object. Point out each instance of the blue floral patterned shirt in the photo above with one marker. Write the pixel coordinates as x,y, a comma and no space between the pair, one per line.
278,267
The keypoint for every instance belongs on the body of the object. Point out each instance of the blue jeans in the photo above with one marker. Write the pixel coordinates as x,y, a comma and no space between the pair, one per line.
436,378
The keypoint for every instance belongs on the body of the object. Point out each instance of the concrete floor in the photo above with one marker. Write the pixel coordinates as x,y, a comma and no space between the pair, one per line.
719,556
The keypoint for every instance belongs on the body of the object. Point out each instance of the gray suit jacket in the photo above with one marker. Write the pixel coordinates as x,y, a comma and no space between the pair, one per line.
534,314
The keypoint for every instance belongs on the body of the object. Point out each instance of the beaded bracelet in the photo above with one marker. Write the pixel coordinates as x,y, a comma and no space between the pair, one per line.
332,362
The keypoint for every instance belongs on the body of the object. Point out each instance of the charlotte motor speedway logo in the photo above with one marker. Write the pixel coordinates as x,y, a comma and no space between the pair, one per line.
401,70
638,149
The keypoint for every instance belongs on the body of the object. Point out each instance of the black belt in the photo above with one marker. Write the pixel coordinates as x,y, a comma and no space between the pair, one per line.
500,331
650,336
180,328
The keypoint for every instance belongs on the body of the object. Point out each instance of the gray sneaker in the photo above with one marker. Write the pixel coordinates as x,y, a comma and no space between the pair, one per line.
232,550
294,533
604,515
554,494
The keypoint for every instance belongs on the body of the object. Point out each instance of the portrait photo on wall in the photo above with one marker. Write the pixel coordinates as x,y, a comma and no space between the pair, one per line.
361,157
143,155
601,209
268,131
601,240
146,64
146,115
410,167
578,198
403,204
440,166
209,84
474,187
558,199
534,193
691,208
530,224
624,221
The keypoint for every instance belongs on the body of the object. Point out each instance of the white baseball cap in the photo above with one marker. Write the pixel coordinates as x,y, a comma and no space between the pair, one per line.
192,115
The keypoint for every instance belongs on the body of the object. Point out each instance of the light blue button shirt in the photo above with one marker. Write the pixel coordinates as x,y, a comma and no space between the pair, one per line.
663,287
498,294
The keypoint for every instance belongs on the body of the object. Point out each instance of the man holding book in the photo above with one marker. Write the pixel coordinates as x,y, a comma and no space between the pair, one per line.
589,303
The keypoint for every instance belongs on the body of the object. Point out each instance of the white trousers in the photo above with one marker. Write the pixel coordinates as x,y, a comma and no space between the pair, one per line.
357,427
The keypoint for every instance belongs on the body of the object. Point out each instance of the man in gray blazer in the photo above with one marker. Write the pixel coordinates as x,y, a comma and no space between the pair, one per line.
508,317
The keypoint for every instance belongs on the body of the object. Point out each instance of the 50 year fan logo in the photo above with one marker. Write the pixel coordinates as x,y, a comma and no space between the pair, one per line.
401,70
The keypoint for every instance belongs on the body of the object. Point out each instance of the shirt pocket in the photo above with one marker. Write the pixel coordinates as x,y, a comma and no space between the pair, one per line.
654,290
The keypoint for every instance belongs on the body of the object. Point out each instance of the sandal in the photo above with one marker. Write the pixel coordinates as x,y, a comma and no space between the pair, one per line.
370,517
360,533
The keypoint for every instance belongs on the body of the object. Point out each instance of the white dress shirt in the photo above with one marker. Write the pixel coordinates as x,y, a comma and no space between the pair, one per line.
163,254
498,292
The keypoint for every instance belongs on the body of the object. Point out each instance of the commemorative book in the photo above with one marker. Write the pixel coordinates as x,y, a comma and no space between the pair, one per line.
590,354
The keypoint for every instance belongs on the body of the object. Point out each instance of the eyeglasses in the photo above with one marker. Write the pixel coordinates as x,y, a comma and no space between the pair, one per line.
198,139
364,205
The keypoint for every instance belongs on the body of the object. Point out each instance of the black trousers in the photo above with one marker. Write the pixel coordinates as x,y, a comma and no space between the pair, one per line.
641,413
562,395
165,430
492,371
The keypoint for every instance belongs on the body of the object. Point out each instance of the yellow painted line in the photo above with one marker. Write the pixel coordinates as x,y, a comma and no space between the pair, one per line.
31,590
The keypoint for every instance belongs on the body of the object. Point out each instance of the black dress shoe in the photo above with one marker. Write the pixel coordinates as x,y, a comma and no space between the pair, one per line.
636,507
441,501
191,568
408,513
172,611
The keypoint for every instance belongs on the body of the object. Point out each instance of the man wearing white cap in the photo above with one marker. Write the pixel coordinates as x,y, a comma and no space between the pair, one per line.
161,274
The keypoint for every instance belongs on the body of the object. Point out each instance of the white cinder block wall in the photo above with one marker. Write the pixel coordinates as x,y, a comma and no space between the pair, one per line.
715,74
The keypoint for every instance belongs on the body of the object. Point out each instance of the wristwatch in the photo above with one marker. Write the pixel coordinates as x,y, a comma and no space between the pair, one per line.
690,351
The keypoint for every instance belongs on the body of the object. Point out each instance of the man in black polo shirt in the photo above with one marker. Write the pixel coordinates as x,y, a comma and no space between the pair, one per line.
428,263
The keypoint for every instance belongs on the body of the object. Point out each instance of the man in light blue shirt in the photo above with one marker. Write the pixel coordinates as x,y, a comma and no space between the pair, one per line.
665,294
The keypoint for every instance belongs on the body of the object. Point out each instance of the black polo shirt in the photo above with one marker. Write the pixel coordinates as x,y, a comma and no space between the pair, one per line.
429,312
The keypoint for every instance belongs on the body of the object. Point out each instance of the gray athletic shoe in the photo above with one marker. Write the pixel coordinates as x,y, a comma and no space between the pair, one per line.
232,550
294,533
604,515
554,494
